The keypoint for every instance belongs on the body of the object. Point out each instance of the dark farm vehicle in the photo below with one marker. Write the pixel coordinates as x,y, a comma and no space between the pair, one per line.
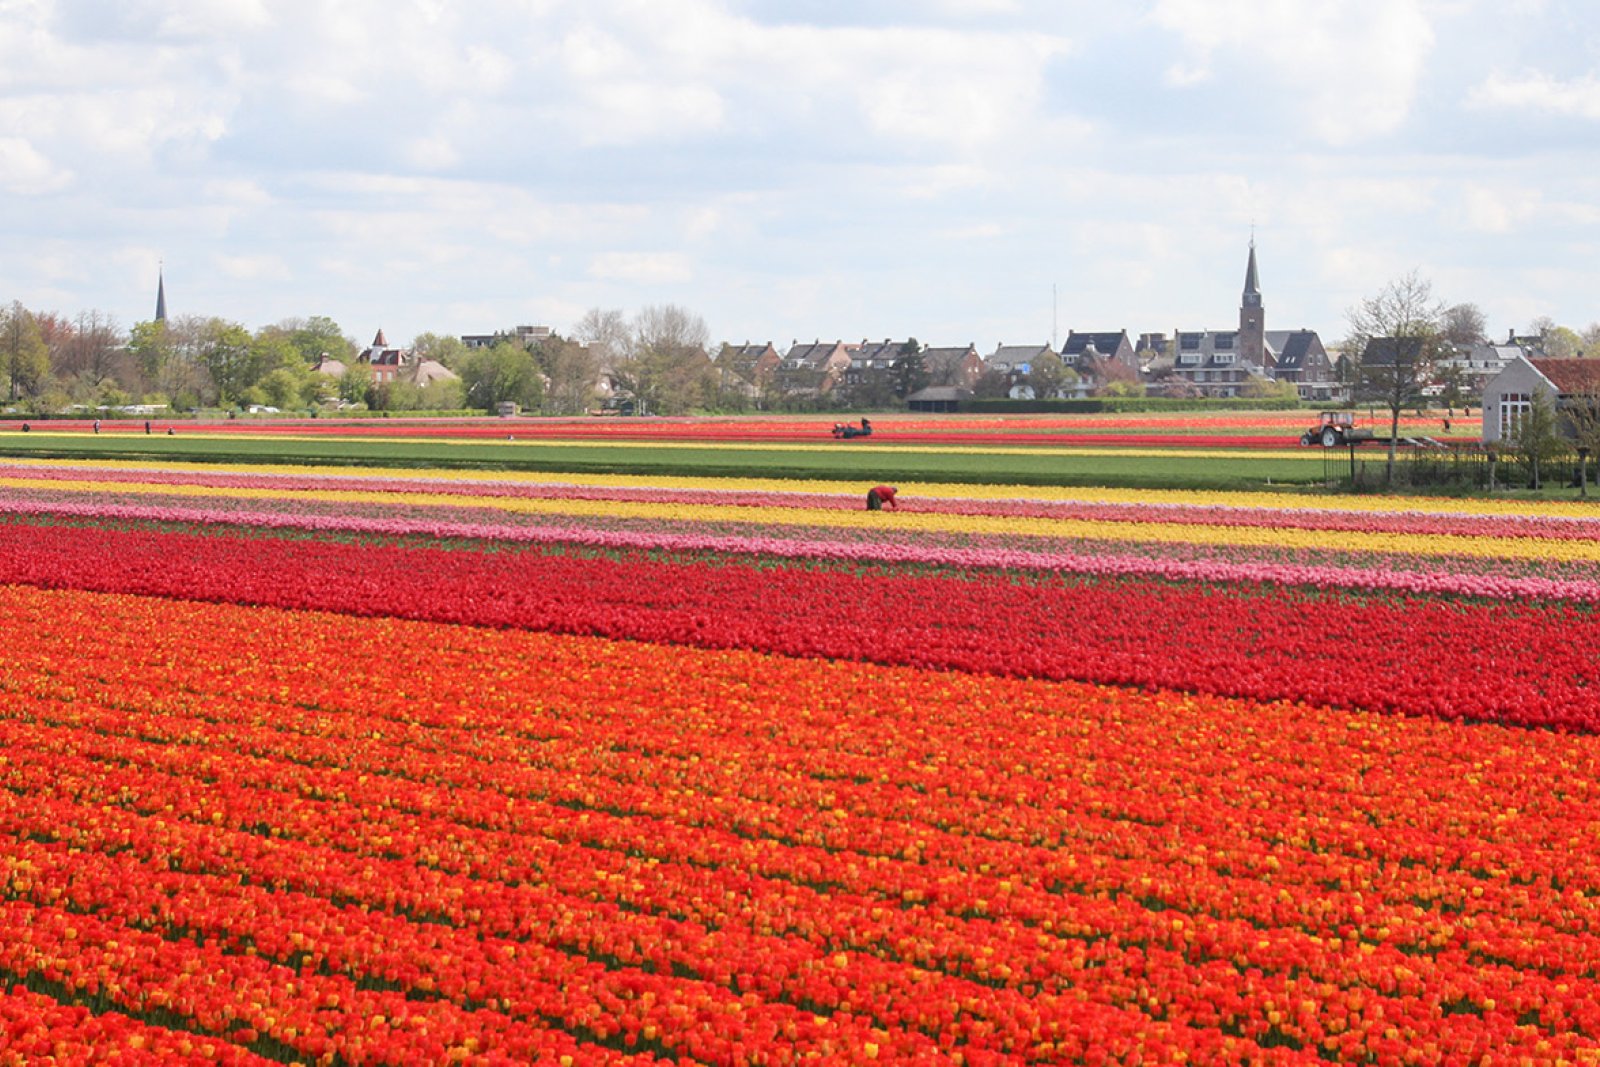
1336,428
847,431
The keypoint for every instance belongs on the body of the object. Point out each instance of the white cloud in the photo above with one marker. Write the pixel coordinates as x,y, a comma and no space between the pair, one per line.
208,18
254,268
645,267
1183,74
1497,210
981,231
24,170
432,153
1575,98
237,192
977,7
1351,66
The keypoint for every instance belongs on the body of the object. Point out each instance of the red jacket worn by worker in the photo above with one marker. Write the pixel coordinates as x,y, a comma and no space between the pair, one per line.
886,495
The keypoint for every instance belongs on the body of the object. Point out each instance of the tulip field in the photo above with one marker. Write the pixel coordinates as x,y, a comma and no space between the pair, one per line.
410,765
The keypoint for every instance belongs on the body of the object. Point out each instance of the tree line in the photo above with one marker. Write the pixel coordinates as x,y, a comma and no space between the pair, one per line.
54,363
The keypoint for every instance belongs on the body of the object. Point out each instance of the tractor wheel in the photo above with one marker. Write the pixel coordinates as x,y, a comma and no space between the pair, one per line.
1329,438
1305,438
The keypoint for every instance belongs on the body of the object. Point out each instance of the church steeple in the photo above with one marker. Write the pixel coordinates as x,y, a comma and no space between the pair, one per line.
1252,317
1252,284
161,294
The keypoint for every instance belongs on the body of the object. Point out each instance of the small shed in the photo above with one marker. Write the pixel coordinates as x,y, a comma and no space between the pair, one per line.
937,398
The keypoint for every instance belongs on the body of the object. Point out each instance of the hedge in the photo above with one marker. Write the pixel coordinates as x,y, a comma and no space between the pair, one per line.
1091,405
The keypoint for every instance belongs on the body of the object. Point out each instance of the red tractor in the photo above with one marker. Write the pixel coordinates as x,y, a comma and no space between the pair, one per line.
1336,428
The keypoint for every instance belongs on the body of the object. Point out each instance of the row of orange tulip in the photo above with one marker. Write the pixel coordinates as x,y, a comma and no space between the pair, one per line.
536,843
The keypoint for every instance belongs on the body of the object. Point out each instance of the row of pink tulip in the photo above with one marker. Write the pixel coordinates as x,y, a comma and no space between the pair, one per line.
1445,524
1425,577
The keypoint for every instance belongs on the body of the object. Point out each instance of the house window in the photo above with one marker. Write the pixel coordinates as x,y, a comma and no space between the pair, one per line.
1189,359
1512,407
1222,358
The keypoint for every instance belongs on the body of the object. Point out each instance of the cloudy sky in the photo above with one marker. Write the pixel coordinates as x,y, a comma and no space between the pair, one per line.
802,169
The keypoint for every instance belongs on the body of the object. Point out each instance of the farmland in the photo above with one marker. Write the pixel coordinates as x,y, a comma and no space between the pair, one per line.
356,748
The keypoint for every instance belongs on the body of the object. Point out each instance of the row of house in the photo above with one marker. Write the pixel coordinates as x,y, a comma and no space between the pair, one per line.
1209,363
1247,360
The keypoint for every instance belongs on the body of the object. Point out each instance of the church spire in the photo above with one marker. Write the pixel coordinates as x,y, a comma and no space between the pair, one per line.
1252,284
161,294
1253,319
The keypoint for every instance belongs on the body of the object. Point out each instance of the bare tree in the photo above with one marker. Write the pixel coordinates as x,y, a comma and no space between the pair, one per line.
1579,418
1463,324
572,370
97,342
1591,341
1396,333
667,368
605,333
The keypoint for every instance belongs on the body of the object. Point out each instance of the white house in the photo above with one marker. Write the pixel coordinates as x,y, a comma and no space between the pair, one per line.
1511,392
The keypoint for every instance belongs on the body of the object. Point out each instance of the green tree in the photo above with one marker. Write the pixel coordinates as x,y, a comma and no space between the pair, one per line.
355,384
449,351
226,351
1046,375
312,338
1265,389
26,356
1536,438
270,351
910,371
293,386
151,346
1561,342
500,373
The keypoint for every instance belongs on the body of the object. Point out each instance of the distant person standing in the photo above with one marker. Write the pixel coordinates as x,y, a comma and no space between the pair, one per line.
880,495
96,425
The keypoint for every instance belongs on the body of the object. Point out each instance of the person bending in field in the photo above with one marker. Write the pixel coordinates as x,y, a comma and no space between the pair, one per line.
881,495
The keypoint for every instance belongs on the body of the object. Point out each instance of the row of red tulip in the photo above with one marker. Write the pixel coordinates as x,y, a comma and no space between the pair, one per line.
39,1029
963,862
1527,663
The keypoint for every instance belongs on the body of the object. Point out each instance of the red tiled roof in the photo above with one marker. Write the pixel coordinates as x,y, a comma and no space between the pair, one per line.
1571,375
